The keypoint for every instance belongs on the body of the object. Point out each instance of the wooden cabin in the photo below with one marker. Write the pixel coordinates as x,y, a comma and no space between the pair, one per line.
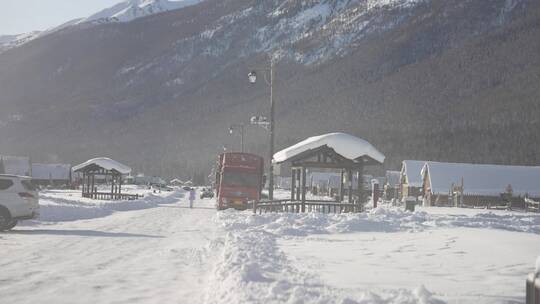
411,178
479,185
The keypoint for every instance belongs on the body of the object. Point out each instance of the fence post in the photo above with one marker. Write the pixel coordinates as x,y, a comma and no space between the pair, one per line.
254,207
532,289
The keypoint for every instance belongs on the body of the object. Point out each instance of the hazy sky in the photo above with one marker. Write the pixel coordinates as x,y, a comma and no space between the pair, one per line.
21,16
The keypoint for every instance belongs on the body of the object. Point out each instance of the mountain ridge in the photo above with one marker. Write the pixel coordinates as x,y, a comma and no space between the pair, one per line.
122,12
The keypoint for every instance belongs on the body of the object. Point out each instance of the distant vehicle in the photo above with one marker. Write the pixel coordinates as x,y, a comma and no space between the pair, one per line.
162,188
19,200
186,188
207,193
239,180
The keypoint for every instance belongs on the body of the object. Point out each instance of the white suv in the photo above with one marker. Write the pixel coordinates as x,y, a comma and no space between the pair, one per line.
18,200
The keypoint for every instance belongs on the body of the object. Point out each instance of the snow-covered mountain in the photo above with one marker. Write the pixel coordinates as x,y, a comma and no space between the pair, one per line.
438,75
121,12
11,41
133,9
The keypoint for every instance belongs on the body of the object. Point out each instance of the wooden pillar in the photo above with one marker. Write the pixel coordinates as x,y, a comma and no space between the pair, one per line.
120,187
361,197
303,189
93,196
89,186
293,183
349,182
113,177
83,182
341,187
298,189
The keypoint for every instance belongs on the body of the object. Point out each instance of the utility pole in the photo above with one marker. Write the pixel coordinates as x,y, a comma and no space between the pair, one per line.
269,125
271,156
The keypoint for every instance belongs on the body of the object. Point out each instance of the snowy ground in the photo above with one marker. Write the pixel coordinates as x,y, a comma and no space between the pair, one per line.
156,250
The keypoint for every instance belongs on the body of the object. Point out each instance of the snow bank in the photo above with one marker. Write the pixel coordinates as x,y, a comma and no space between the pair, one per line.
382,219
252,269
57,207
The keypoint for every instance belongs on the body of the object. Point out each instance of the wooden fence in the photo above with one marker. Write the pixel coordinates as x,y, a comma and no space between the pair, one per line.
111,196
531,205
308,206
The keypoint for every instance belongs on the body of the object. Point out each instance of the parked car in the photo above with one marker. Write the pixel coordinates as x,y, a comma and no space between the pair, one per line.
186,188
207,193
162,188
19,200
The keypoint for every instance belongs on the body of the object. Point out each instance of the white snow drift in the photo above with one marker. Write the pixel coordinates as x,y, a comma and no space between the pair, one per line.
156,249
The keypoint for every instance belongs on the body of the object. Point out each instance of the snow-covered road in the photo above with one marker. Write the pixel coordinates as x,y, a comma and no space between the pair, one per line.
157,250
156,255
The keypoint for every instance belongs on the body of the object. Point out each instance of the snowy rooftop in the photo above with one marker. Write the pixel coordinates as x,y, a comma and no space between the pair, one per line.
51,171
16,165
105,163
483,179
348,146
412,170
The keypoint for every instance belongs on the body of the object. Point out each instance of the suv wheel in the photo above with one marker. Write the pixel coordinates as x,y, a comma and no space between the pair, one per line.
5,221
11,225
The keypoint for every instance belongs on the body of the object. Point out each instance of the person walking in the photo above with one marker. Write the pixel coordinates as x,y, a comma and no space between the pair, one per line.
191,197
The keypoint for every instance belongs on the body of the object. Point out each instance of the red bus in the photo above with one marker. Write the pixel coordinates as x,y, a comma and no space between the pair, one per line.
239,180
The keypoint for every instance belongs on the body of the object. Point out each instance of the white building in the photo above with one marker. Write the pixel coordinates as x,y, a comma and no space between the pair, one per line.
55,174
16,165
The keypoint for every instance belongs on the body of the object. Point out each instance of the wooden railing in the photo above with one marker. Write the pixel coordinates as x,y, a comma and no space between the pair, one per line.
307,206
531,205
111,196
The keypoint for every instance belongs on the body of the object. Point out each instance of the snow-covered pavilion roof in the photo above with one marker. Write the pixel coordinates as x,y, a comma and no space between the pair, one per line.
176,181
51,171
105,163
412,170
346,145
490,180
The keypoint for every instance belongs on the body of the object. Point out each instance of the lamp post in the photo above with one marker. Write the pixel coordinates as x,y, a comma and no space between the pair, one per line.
253,79
241,127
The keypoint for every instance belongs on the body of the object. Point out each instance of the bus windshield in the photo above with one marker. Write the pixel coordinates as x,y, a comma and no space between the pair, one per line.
240,179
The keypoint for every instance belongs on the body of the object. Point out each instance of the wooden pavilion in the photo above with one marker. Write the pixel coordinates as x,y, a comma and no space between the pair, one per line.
103,168
337,151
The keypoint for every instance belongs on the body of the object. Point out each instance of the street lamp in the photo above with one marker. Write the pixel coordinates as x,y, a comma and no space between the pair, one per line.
252,77
241,127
